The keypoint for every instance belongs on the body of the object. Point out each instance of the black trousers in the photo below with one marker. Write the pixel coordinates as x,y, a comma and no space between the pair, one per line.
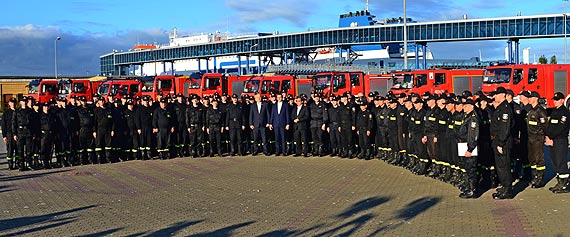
346,137
46,146
25,145
419,149
215,136
235,140
381,138
103,142
558,153
146,139
393,138
195,138
432,148
503,166
363,140
86,142
259,136
536,152
163,140
335,137
317,137
11,146
470,166
62,145
182,136
300,136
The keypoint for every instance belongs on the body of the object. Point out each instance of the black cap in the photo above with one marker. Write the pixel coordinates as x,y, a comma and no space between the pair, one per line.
534,94
500,90
13,100
73,97
163,100
525,93
419,101
469,101
235,96
558,96
510,92
145,98
225,94
180,95
426,94
371,94
467,94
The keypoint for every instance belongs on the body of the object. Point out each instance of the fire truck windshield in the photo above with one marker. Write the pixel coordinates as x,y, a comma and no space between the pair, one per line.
212,83
251,86
78,87
497,75
322,82
33,87
165,84
148,84
49,88
195,83
103,89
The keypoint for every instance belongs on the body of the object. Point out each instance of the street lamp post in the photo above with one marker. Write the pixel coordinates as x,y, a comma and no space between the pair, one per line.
248,58
406,38
55,54
565,16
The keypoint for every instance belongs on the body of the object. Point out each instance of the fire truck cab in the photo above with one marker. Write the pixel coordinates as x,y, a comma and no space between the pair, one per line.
43,90
546,79
163,85
84,87
120,88
438,81
276,84
337,83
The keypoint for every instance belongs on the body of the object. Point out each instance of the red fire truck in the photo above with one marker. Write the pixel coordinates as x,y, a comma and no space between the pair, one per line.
337,83
44,90
84,87
117,88
438,81
546,79
212,83
163,85
267,84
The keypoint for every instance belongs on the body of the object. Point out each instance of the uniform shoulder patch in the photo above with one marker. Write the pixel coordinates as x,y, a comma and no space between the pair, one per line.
505,116
473,124
518,111
542,120
563,119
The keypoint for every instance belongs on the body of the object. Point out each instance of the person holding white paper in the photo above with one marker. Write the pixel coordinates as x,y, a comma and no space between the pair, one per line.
469,136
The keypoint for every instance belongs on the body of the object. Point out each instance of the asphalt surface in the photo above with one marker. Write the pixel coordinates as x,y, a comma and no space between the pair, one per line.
262,196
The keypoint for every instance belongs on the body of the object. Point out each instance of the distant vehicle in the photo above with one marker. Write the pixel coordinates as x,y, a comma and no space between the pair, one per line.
203,84
546,79
338,83
84,87
45,90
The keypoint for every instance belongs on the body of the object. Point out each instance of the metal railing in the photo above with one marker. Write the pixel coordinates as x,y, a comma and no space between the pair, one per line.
307,69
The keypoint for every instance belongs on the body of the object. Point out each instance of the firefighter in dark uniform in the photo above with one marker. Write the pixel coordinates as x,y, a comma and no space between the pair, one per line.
486,156
317,109
118,139
86,139
364,122
48,126
346,126
163,123
62,145
520,137
392,125
143,122
417,132
8,134
537,124
215,128
454,171
74,131
502,143
431,127
402,123
469,133
442,121
557,140
104,131
36,135
132,137
182,130
300,117
381,138
332,121
235,125
195,116
21,121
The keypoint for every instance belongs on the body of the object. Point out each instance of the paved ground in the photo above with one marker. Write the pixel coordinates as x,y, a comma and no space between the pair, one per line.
262,196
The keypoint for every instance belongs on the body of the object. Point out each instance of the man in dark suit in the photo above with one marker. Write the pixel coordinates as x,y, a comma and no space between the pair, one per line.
258,121
300,116
279,121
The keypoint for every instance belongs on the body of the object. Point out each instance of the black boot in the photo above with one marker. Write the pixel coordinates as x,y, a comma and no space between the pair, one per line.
11,165
564,186
504,193
538,181
470,192
434,170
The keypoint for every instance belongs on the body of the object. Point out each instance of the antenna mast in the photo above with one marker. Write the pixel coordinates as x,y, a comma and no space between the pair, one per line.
367,5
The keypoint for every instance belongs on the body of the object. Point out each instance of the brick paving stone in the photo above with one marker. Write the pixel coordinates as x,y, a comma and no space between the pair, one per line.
262,196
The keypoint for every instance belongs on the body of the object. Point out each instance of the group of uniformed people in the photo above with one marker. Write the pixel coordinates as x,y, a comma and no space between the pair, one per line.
470,141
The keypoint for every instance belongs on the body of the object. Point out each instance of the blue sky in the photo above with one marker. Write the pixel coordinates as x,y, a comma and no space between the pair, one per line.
90,28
